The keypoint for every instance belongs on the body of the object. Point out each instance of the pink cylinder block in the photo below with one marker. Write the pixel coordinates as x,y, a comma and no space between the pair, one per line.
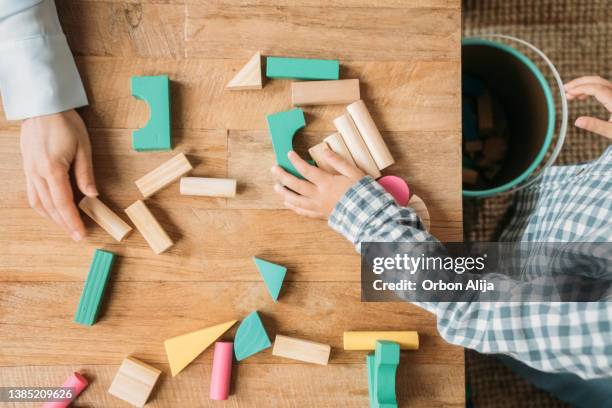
221,370
397,187
75,381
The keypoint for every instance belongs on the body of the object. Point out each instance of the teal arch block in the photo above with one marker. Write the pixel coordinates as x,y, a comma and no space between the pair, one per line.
283,126
156,134
272,274
251,337
386,360
302,68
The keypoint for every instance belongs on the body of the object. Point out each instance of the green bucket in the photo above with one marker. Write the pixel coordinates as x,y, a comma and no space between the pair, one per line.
526,98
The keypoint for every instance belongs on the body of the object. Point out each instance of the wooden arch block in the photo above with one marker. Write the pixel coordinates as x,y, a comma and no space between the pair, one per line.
370,134
356,145
251,337
283,126
249,77
272,274
156,134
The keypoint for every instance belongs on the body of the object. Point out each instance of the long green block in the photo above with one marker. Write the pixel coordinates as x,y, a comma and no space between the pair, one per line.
251,337
156,134
273,275
283,126
386,360
370,365
93,291
302,68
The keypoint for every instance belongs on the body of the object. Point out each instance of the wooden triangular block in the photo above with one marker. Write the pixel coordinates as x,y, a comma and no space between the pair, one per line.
182,350
272,274
249,77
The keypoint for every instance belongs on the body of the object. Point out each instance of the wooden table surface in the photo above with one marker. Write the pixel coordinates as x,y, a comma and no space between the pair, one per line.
406,54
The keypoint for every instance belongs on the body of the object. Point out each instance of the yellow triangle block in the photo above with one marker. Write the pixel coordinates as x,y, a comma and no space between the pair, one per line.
249,77
182,350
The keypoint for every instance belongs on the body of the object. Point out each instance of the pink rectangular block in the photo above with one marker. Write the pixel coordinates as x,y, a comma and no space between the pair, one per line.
78,383
221,370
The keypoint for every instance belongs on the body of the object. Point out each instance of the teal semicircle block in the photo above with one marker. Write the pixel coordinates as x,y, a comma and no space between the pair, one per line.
272,274
251,337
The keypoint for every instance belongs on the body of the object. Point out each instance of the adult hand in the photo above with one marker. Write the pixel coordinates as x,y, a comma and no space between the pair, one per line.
584,87
316,196
50,145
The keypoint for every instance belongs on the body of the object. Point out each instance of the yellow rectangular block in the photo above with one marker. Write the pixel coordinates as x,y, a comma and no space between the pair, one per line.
148,226
366,340
324,92
301,350
134,381
105,217
165,174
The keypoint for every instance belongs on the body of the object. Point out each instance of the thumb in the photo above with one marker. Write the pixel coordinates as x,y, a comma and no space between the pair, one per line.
83,171
595,125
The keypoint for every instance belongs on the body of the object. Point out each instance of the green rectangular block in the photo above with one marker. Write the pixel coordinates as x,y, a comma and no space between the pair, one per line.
302,68
93,291
157,133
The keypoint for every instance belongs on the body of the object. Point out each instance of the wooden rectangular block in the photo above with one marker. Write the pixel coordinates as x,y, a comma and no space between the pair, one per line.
353,140
370,134
302,68
316,152
163,175
105,217
148,226
134,381
336,143
325,92
366,340
302,350
208,187
95,285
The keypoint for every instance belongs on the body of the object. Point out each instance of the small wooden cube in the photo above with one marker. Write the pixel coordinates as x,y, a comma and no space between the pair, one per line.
134,381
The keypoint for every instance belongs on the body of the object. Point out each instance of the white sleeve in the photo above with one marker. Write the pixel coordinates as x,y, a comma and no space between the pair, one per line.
38,75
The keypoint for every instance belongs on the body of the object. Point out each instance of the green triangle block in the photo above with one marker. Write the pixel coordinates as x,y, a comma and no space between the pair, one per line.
272,274
251,337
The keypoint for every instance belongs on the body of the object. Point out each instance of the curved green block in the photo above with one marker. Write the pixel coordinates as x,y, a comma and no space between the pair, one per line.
370,365
156,134
273,275
251,337
386,360
283,126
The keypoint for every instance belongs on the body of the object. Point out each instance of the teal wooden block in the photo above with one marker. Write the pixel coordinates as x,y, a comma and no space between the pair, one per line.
370,366
302,68
156,134
251,337
386,360
273,275
283,126
95,285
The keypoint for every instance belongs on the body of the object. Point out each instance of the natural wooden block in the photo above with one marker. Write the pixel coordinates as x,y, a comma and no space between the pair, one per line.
316,152
370,134
105,217
325,92
249,77
209,187
134,381
148,226
419,206
366,340
163,175
95,285
302,350
336,143
485,113
356,145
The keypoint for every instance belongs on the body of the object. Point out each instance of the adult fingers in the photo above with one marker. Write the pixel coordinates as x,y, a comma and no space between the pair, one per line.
302,187
301,211
33,199
341,165
592,79
83,170
294,199
598,126
61,193
602,93
42,189
311,173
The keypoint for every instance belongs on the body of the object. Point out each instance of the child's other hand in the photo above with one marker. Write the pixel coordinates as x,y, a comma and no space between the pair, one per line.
316,196
49,146
584,87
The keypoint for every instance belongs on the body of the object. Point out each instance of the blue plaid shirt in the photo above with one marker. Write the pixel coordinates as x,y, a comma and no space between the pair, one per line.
568,204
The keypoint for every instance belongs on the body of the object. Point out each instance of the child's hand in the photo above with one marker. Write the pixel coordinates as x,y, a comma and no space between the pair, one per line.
601,89
317,195
49,145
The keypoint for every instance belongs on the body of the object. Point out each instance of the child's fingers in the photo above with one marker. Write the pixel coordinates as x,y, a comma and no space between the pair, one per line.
294,199
299,186
602,93
341,165
311,173
595,125
596,80
301,211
